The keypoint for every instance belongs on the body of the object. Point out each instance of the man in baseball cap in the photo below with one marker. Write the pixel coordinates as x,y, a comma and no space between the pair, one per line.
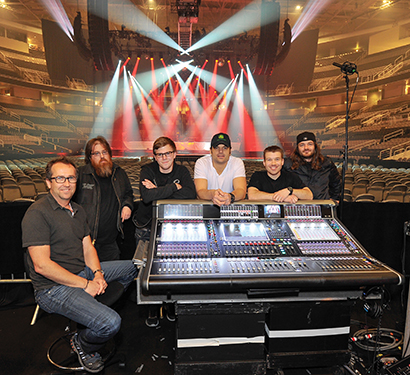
220,177
221,139
317,172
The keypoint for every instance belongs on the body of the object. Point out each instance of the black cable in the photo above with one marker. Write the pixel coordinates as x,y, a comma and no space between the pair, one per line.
378,344
377,339
354,90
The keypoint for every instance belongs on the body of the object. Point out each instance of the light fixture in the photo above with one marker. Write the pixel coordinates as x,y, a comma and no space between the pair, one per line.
386,4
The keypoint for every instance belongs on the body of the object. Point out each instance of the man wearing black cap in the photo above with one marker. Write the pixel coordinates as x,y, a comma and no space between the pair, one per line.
220,177
317,172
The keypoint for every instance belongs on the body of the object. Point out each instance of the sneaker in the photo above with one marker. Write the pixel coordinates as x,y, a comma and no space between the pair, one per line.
90,362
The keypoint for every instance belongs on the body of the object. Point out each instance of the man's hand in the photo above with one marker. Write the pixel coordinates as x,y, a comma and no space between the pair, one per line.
179,186
221,198
125,213
96,286
281,195
148,184
291,199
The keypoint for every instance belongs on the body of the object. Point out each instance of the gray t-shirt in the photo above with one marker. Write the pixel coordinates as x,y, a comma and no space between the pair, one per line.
47,223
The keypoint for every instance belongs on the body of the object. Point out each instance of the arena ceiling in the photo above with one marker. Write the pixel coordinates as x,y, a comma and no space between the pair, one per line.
340,22
338,17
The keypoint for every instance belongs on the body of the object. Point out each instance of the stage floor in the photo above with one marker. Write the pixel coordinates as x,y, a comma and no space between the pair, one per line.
23,347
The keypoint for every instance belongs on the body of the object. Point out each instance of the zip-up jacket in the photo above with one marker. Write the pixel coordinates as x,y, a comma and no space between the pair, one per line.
88,195
324,183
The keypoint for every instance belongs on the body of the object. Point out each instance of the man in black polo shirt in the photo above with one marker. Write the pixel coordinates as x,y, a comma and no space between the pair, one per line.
276,184
64,267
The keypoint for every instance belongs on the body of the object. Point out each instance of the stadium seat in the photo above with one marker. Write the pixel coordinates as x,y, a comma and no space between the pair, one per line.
395,188
377,192
364,198
397,195
378,182
12,193
358,189
348,198
41,186
28,190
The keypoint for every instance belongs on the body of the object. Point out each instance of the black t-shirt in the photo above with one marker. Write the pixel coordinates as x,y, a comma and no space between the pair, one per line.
107,232
263,182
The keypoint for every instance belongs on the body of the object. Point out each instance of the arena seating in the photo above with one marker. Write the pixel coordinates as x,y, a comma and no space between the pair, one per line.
362,183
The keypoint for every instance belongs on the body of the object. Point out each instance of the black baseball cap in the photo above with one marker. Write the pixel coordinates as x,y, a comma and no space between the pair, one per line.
305,136
221,139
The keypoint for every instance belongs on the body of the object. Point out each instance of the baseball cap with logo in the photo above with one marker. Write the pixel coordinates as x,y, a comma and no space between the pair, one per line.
221,139
305,136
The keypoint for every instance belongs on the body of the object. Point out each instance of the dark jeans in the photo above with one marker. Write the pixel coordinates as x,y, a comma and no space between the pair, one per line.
101,322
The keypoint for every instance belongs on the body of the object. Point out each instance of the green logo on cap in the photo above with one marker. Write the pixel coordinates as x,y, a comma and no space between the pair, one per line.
221,136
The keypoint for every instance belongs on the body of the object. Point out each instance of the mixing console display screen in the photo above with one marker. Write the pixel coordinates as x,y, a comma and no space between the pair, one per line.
271,210
244,232
183,232
305,230
179,211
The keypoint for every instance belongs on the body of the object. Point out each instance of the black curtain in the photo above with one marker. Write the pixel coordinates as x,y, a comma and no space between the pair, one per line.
63,58
298,66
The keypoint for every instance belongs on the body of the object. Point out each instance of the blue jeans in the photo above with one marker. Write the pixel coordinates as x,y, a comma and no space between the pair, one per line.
101,322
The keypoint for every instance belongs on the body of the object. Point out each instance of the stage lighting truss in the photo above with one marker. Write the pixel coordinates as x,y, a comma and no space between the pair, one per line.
188,9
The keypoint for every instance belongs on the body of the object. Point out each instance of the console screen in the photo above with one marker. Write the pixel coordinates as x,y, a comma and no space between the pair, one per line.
183,232
243,232
271,210
305,230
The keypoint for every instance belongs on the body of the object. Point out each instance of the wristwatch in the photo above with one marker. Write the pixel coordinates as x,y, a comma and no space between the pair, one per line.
290,188
99,270
232,197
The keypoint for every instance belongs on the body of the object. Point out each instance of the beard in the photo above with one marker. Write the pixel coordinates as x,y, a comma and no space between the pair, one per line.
102,169
308,156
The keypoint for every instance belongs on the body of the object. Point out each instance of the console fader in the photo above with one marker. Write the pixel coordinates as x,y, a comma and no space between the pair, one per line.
197,247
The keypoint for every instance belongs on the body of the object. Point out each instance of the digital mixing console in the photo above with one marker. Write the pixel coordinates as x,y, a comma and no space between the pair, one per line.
198,247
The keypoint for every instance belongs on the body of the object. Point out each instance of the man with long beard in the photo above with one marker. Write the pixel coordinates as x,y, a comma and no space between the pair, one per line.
105,193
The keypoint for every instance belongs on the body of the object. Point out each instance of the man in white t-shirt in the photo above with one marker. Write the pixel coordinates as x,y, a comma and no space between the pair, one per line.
220,177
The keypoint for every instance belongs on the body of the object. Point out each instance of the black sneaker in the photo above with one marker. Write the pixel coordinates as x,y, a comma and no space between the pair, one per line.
90,362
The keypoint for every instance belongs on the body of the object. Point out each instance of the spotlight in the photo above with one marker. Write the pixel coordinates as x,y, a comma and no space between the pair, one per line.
221,61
